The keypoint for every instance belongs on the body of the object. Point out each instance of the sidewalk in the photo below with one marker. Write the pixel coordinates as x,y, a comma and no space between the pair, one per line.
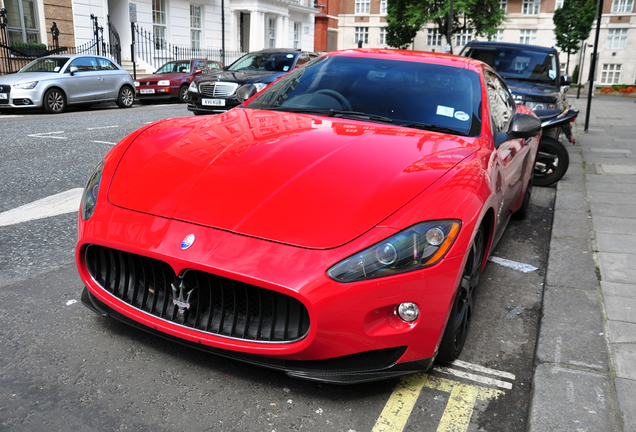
585,377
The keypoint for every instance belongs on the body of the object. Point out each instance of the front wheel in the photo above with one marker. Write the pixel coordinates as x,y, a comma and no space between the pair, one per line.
552,162
461,314
54,101
183,93
126,97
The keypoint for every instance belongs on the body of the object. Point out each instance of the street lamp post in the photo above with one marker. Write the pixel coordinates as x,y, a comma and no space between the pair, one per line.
581,65
599,14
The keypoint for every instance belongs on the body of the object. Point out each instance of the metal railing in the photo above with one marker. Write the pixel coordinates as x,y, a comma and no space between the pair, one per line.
156,51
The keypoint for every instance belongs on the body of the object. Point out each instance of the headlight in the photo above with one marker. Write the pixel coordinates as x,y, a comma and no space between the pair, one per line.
539,105
260,86
89,198
164,83
419,246
193,88
25,86
136,83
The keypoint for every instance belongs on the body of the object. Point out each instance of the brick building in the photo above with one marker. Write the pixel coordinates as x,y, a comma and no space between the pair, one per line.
31,21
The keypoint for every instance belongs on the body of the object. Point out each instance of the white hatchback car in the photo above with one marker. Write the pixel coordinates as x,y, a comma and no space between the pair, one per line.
54,82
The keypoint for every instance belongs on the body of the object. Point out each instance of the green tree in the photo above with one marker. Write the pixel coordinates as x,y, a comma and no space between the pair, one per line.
572,24
406,17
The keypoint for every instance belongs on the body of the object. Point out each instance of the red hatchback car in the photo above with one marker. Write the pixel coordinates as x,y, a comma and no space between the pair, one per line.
171,81
334,226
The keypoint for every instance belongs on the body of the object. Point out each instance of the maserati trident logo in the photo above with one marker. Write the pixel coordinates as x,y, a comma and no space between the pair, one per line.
181,297
187,242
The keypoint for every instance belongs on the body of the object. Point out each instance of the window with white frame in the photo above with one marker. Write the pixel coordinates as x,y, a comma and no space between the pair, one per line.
531,7
503,5
363,6
616,38
383,7
499,37
463,37
611,74
433,37
159,23
362,34
22,22
622,6
527,37
296,35
195,26
558,4
271,32
382,36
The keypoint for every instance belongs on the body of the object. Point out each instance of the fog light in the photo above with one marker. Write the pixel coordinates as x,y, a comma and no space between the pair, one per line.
27,101
409,312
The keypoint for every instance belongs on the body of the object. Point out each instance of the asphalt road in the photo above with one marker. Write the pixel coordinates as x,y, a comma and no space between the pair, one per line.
64,368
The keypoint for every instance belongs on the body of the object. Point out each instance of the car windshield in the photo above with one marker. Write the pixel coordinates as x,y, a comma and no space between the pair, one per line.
406,93
45,64
521,64
174,67
272,62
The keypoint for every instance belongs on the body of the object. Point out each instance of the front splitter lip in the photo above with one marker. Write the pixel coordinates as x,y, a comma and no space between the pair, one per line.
390,370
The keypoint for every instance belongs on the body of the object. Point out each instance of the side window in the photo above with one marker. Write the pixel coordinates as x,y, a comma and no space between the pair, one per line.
302,59
85,64
213,66
105,64
500,101
200,65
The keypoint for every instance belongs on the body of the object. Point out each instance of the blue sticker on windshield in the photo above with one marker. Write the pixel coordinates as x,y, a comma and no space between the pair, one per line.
461,115
285,68
552,74
290,56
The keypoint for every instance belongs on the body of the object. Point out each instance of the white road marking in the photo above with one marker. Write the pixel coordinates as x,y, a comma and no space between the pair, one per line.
11,116
103,127
482,369
48,135
70,302
513,264
104,142
54,205
473,377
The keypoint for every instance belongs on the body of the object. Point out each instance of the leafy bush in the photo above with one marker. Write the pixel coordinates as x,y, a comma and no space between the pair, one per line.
28,45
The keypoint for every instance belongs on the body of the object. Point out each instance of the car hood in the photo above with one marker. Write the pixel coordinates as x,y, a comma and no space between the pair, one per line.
166,76
529,87
296,179
28,77
243,77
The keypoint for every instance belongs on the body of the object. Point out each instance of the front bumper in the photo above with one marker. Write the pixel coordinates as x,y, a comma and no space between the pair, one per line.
159,92
22,98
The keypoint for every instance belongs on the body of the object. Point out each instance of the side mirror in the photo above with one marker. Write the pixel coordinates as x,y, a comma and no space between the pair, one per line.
198,71
73,69
245,92
521,126
566,80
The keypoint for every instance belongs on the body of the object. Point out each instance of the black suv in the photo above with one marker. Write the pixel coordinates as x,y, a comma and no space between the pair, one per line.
531,72
217,92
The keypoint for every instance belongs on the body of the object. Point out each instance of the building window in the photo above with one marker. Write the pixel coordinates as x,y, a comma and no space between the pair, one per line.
433,37
558,4
531,7
271,32
622,6
463,37
22,24
616,38
382,36
296,35
499,37
363,6
383,7
195,26
611,74
362,34
159,23
528,37
503,5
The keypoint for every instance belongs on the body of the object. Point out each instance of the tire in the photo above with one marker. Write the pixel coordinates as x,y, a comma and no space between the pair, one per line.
126,97
461,313
54,101
552,162
183,94
523,210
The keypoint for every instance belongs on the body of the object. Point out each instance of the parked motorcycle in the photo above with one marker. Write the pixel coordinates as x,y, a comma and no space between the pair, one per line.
553,159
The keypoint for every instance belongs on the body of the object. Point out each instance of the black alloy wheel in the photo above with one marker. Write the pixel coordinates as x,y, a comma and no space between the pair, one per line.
459,320
126,97
552,162
183,93
54,101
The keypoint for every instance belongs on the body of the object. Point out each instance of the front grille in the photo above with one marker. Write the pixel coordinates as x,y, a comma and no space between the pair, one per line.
217,305
217,89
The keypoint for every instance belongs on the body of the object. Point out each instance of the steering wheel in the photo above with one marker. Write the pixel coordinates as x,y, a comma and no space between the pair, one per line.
337,96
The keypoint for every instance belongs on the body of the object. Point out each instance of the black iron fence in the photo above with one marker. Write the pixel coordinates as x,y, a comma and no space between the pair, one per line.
156,51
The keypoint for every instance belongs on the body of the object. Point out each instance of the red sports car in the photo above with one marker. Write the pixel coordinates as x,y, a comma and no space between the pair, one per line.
334,226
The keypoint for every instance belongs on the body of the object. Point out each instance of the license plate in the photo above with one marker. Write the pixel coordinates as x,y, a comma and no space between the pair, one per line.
147,91
213,102
3,96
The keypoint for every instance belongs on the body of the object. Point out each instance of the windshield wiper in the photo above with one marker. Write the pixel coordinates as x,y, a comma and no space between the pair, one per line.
434,128
331,113
372,117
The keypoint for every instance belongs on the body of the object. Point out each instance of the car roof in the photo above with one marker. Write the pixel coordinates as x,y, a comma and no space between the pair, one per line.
473,44
278,50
